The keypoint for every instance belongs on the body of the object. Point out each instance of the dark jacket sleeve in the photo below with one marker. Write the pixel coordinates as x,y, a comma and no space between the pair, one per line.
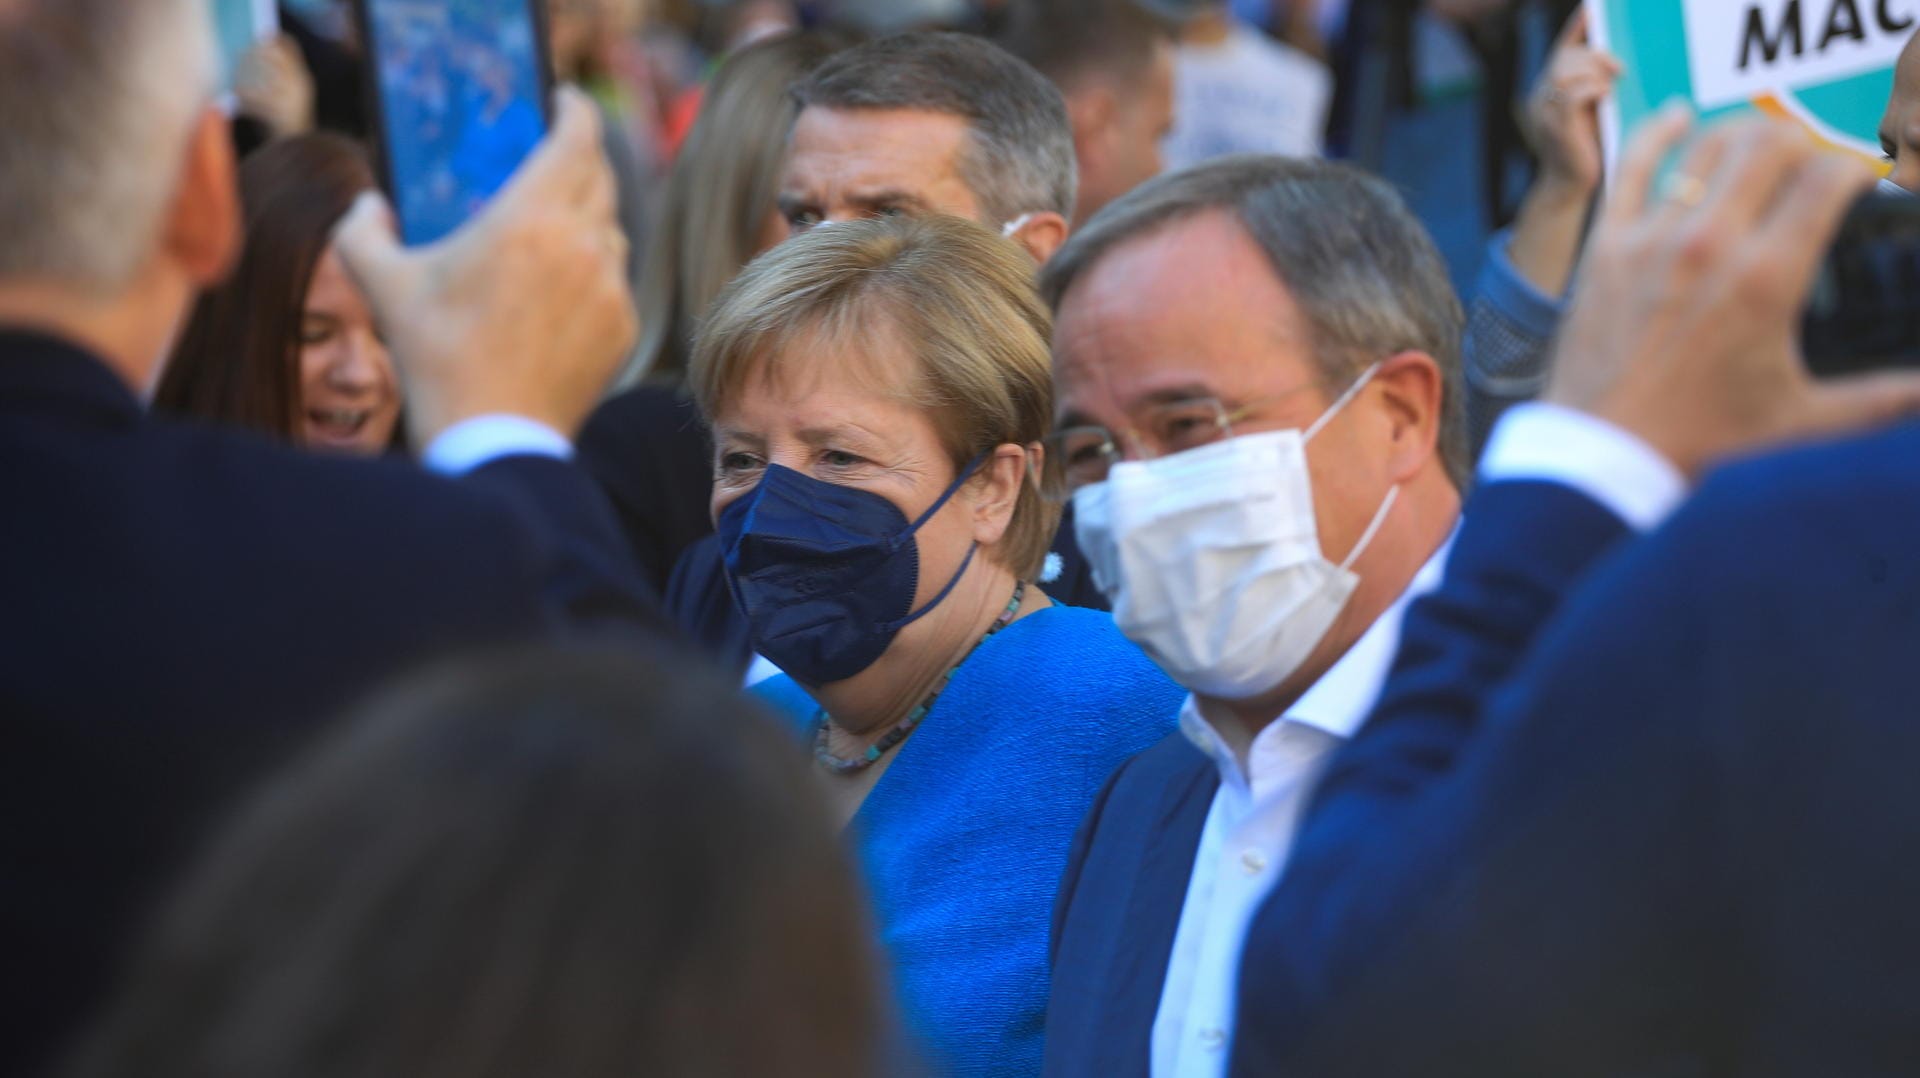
650,454
591,583
1077,859
1392,825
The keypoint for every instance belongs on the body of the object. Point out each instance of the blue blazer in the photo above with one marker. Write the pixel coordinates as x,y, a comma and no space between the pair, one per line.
1119,909
963,840
184,606
1644,812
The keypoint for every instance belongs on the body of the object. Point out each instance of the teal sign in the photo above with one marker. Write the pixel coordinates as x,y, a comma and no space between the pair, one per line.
1827,64
237,26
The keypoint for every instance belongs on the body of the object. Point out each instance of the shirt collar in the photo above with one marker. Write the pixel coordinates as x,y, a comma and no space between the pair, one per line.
1337,703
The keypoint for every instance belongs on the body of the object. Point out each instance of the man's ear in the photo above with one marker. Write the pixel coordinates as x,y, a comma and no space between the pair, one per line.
1414,391
1000,479
1090,112
1042,234
202,232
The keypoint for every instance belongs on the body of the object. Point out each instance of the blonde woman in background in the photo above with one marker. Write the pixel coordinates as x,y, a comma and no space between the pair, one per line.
646,445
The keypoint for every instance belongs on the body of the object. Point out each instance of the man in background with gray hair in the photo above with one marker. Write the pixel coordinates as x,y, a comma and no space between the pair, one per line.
184,606
1113,62
1257,364
933,123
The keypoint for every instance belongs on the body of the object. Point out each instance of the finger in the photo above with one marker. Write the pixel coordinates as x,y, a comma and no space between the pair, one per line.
599,203
1860,401
371,251
1633,181
1574,32
1595,65
1702,161
1800,225
1586,89
1763,158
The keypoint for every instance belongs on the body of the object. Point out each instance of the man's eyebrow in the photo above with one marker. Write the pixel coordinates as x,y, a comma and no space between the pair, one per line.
1073,417
1178,394
887,196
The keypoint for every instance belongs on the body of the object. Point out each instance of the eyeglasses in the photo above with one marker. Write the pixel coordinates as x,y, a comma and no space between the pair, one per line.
1081,456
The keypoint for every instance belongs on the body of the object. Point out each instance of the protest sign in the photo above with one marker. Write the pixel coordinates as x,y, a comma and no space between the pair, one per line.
1827,64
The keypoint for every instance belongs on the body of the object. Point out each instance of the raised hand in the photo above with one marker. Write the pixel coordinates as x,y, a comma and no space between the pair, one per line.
525,310
1685,324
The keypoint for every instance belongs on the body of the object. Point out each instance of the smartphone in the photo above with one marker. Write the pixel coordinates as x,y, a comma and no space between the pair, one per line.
1865,311
461,92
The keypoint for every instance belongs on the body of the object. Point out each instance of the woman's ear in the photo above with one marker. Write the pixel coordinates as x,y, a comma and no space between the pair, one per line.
997,487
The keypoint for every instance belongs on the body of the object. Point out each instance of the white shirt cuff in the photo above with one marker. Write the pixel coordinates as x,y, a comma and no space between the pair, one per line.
1560,445
472,443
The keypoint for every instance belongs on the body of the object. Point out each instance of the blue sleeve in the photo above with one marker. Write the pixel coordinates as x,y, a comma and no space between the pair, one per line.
1507,342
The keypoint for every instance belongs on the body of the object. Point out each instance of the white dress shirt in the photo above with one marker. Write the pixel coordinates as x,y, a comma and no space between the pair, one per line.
1249,831
471,443
1249,828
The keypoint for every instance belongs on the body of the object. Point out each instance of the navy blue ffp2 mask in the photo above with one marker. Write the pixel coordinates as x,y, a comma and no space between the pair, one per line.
824,573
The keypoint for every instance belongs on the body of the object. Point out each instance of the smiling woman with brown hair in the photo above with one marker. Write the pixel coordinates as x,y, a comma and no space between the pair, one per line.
286,345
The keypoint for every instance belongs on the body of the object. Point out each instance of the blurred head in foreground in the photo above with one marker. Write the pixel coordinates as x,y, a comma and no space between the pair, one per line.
569,865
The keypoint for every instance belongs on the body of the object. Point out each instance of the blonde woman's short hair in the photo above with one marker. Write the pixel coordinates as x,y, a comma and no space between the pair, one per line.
962,300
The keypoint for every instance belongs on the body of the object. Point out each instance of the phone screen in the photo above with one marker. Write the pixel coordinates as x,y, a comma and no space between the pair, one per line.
462,95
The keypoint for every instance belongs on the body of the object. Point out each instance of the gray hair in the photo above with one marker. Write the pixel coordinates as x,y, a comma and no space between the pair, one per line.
97,103
1020,158
1342,243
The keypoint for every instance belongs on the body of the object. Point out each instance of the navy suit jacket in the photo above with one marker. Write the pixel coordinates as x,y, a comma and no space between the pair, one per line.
181,607
1119,908
1649,814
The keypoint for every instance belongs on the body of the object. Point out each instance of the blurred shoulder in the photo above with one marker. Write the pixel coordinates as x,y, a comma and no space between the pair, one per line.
1802,533
235,479
1822,493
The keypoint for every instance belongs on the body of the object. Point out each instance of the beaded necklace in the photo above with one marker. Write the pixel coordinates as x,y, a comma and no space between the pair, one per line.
841,765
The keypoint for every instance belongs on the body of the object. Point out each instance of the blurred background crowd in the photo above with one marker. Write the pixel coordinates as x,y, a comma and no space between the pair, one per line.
978,537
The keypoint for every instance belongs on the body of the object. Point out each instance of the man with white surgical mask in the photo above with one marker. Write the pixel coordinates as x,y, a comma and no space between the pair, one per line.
1257,365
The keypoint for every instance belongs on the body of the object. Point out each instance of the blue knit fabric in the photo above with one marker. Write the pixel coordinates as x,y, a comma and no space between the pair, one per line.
964,838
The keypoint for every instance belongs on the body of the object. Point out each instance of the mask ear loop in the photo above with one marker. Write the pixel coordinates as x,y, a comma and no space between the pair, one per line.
1341,401
912,529
1393,493
900,538
1373,529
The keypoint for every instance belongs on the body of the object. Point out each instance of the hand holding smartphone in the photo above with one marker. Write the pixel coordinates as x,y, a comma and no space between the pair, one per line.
461,93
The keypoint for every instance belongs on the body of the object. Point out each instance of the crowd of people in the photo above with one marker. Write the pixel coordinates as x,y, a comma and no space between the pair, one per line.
943,537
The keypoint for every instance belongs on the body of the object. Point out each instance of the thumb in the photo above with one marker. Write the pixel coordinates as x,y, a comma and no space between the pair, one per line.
1862,401
370,249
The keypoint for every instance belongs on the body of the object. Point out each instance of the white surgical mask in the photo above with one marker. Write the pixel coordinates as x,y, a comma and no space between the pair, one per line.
1013,227
1212,558
1888,187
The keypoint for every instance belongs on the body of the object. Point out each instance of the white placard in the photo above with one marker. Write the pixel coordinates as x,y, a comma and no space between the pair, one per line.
1738,49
